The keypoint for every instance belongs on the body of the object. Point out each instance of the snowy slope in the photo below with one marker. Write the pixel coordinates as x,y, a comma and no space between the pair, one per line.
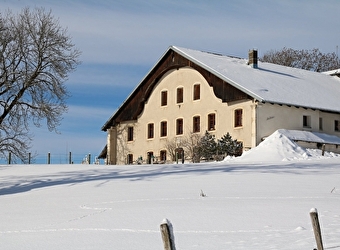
258,201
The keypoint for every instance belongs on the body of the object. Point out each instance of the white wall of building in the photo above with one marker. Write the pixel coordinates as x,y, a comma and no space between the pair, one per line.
273,116
207,104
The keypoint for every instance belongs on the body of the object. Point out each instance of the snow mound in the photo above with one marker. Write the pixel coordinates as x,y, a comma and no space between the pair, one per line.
300,228
278,147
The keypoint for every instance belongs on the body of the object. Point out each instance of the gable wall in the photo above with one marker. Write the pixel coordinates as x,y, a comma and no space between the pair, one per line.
134,105
208,103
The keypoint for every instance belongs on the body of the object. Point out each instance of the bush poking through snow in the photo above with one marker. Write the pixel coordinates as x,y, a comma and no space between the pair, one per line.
202,194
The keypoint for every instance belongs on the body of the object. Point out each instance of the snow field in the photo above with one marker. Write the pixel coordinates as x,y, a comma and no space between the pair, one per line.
246,206
261,200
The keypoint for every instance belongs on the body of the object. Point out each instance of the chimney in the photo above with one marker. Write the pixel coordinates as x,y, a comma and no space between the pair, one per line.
252,58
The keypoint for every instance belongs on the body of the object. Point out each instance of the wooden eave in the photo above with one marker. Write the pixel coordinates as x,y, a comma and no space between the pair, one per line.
134,104
103,153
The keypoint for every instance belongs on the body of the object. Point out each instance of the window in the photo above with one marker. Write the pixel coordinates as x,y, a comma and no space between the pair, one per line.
211,122
179,126
163,155
179,95
320,123
130,159
164,129
150,130
306,121
164,98
238,118
336,125
130,134
196,124
197,92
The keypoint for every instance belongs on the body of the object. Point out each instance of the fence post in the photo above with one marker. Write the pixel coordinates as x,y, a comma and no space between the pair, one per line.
89,158
48,158
69,158
9,158
323,149
167,235
29,158
316,228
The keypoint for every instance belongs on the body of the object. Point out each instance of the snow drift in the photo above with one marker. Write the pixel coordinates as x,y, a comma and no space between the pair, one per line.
280,147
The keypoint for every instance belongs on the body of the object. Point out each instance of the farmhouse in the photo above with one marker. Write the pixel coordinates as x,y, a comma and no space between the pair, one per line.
190,92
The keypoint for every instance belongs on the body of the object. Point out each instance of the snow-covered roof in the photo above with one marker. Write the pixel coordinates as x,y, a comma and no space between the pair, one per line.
307,136
271,82
267,83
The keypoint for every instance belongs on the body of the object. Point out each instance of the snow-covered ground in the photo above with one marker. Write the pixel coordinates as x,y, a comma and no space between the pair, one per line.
258,201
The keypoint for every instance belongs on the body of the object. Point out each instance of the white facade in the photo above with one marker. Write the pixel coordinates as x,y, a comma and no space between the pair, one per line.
155,113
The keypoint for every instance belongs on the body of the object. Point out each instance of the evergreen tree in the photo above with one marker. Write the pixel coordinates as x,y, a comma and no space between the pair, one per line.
228,146
207,146
225,144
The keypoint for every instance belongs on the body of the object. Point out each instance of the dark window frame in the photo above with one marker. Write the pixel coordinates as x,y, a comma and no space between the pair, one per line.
196,124
179,126
164,129
320,124
336,125
211,122
306,121
238,116
162,155
130,159
130,133
164,98
151,130
180,94
197,92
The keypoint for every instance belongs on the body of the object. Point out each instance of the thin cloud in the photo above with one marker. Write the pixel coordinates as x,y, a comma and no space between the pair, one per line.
122,40
137,32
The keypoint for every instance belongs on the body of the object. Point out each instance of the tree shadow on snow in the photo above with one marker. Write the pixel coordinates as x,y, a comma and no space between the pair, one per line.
19,184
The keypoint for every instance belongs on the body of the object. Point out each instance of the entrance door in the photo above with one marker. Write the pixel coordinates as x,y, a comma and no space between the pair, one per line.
150,157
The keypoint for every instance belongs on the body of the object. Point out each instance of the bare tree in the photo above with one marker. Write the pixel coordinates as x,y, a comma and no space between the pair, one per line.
171,146
36,57
312,60
191,144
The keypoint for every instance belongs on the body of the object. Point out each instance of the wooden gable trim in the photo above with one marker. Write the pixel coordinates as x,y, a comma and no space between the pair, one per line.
222,89
134,105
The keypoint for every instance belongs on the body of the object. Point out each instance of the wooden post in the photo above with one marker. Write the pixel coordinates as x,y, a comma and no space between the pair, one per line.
89,158
69,158
48,158
9,158
167,235
316,228
29,158
323,149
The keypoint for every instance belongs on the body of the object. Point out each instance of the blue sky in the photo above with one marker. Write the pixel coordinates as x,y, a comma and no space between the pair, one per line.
121,40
